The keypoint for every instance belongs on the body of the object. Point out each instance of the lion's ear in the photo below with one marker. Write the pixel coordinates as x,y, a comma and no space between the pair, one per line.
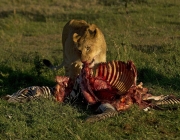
93,30
76,37
94,33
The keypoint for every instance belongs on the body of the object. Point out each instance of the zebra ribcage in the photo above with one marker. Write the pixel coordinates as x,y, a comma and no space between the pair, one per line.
30,93
118,74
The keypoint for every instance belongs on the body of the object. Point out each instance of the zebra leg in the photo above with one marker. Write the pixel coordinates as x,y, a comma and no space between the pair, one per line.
75,95
30,93
163,102
107,111
167,102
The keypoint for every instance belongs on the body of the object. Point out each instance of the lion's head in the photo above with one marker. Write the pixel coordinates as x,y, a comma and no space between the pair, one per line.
90,45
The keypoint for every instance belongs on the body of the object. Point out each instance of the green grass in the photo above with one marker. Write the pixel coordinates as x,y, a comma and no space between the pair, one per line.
145,31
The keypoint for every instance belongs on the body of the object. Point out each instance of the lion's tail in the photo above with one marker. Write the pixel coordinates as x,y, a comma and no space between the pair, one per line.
51,66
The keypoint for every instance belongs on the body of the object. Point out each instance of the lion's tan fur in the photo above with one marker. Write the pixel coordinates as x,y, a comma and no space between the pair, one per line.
81,42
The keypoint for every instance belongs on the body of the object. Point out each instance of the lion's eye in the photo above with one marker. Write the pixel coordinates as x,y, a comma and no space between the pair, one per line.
80,52
87,48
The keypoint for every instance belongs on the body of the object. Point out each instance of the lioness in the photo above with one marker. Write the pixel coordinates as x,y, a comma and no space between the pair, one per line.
82,42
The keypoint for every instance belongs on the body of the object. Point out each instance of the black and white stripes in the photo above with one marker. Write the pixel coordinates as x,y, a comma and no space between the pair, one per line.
167,101
30,93
106,111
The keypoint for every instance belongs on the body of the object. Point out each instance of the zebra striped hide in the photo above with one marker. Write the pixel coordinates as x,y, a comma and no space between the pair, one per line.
30,93
162,102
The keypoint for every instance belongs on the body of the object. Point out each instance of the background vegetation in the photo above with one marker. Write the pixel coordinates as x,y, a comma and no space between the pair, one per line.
145,31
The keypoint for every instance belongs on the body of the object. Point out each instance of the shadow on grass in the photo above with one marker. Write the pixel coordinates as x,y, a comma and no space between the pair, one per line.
13,80
169,22
42,17
166,56
5,14
149,48
38,17
147,75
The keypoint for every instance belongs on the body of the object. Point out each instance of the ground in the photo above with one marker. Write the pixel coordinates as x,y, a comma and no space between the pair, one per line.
145,31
